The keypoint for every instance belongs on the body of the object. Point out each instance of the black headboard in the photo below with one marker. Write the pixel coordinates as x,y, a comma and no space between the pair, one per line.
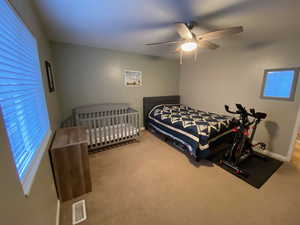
150,102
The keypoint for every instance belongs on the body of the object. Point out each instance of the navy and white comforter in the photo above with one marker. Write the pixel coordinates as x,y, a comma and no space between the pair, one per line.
191,126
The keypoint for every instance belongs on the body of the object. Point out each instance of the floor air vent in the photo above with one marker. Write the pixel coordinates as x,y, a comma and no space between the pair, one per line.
78,212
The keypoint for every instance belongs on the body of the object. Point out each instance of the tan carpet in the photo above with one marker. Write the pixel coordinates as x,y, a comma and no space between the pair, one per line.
151,183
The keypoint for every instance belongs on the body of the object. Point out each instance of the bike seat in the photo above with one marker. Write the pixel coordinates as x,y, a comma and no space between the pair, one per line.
260,115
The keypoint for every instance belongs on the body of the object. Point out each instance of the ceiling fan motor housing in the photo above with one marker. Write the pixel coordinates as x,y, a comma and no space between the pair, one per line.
191,24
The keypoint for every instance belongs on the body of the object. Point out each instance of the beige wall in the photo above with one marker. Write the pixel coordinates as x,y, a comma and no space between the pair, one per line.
40,206
89,75
229,76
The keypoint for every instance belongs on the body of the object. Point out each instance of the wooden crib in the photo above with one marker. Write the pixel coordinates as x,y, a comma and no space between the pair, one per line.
107,124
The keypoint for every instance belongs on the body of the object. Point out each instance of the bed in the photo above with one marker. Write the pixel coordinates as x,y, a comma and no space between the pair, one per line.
107,124
194,129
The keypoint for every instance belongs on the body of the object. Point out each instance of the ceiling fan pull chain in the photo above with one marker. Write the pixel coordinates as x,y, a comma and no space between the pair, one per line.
196,55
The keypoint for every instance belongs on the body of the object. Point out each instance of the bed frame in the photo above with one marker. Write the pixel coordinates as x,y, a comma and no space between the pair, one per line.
150,102
107,124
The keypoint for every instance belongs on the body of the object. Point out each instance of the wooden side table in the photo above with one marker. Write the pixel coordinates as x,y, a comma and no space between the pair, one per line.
69,154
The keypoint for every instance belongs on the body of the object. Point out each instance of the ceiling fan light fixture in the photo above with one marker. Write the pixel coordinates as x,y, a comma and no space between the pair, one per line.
189,46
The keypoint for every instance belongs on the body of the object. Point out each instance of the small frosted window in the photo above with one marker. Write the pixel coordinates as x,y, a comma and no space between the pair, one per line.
279,84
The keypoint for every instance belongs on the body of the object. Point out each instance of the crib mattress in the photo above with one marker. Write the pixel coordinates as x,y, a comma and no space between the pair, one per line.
110,133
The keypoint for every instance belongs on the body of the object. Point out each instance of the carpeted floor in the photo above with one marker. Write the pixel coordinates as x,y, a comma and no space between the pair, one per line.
152,183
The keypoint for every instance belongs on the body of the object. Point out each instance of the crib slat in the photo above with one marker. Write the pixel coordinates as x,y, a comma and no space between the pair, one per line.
130,126
84,123
104,130
123,131
121,126
125,126
113,127
99,131
108,130
94,131
133,126
90,131
133,121
117,127
135,130
138,123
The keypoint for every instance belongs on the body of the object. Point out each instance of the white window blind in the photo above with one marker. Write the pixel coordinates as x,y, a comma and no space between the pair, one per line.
22,99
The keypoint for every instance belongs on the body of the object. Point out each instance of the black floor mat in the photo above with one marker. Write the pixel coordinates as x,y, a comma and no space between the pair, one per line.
259,170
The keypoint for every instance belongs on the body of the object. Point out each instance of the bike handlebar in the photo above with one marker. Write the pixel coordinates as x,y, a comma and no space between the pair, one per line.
228,110
242,111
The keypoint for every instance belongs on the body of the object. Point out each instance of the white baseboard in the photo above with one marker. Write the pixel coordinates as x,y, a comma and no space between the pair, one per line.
58,212
273,155
276,156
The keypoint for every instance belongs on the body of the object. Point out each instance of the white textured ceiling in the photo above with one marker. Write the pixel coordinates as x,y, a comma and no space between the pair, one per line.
127,24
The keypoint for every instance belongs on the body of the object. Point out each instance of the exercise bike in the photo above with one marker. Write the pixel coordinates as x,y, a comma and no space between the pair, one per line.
242,146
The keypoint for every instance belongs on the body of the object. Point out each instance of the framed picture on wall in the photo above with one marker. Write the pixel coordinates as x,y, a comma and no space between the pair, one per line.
50,77
133,78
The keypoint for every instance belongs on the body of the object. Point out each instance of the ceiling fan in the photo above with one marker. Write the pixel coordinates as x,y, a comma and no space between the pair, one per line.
191,42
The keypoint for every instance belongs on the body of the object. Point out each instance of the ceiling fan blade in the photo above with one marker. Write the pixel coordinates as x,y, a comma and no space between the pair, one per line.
163,43
207,44
183,31
220,33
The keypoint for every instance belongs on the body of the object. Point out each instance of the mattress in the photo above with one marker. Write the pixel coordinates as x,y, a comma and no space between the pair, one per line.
110,133
193,127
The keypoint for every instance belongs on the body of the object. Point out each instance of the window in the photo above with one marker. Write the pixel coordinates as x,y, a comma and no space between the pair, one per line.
280,84
22,100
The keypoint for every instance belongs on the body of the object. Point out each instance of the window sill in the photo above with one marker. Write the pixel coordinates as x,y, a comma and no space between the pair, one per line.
32,171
